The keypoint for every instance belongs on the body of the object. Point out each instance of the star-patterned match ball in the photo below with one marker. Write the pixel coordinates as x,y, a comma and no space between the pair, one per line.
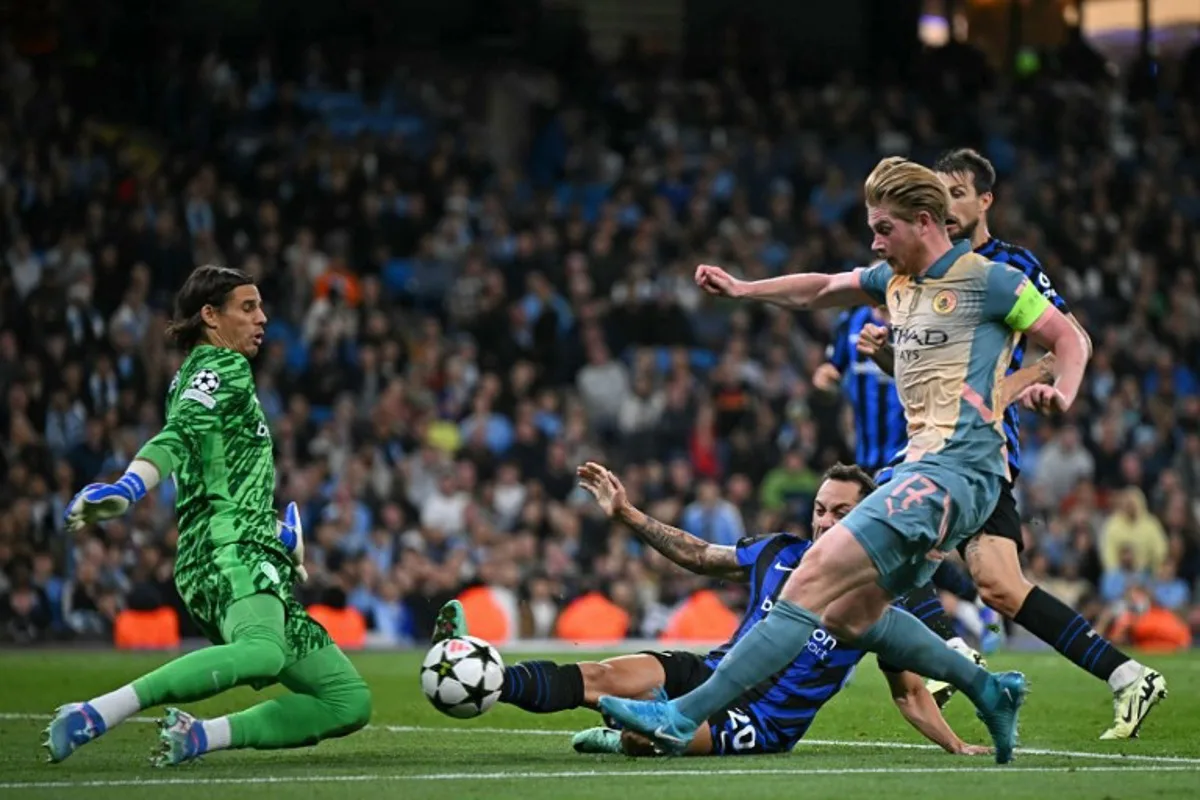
462,677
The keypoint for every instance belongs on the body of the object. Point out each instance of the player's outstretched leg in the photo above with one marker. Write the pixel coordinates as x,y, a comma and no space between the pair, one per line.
543,687
925,605
1137,689
607,739
1132,704
902,640
898,637
540,687
329,699
256,653
766,649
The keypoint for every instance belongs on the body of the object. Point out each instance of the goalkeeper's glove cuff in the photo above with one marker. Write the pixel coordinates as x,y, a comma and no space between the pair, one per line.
132,487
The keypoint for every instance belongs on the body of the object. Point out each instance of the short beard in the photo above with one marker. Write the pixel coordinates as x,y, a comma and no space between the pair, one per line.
967,231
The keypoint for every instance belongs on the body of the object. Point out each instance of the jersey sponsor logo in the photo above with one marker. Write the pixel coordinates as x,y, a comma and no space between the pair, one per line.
821,644
945,301
1048,291
264,430
921,337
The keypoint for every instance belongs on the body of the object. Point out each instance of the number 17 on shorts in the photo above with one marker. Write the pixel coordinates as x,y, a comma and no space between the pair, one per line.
920,491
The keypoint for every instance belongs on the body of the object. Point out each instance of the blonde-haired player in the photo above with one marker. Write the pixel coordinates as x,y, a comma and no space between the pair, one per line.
955,318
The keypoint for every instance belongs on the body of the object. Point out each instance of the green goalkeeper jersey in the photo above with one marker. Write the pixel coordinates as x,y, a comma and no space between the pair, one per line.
220,447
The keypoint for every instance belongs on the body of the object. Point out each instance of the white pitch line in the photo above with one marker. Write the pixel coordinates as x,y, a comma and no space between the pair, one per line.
1028,751
570,774
501,731
427,729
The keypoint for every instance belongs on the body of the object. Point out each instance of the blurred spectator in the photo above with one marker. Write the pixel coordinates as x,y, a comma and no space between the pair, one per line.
1132,535
1122,575
1062,464
712,518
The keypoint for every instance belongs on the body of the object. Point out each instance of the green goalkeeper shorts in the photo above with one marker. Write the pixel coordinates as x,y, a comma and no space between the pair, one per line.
240,570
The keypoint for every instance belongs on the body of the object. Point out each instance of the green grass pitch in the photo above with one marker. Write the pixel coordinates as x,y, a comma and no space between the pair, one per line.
858,747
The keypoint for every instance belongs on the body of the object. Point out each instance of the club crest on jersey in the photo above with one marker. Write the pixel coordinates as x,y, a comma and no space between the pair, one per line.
945,301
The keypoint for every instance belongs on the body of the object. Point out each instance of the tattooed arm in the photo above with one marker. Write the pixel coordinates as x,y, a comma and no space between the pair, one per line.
691,553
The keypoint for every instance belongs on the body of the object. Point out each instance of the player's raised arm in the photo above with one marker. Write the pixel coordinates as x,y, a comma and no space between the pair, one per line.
691,553
917,705
799,291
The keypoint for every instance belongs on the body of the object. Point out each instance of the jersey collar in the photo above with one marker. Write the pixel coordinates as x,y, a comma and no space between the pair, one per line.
943,264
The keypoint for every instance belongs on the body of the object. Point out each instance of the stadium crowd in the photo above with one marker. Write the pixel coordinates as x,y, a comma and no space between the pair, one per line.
451,336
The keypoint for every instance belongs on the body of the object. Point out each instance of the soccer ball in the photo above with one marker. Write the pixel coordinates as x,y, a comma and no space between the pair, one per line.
462,677
206,381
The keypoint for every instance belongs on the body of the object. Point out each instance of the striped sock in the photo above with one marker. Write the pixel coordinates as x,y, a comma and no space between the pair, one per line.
1052,621
542,687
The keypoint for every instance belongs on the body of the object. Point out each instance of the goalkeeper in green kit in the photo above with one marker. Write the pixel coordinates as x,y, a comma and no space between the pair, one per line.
236,562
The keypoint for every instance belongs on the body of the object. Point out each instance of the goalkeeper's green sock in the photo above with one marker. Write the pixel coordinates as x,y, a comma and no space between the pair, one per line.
256,653
330,699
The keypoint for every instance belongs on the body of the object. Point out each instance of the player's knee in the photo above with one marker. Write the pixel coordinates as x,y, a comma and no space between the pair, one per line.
598,680
350,702
845,627
354,708
1002,590
262,658
1004,598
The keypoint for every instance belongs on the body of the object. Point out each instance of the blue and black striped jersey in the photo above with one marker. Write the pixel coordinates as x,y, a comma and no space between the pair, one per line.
879,424
792,697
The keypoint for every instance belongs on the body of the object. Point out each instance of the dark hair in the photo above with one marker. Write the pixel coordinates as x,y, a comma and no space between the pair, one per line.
206,286
970,162
851,473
